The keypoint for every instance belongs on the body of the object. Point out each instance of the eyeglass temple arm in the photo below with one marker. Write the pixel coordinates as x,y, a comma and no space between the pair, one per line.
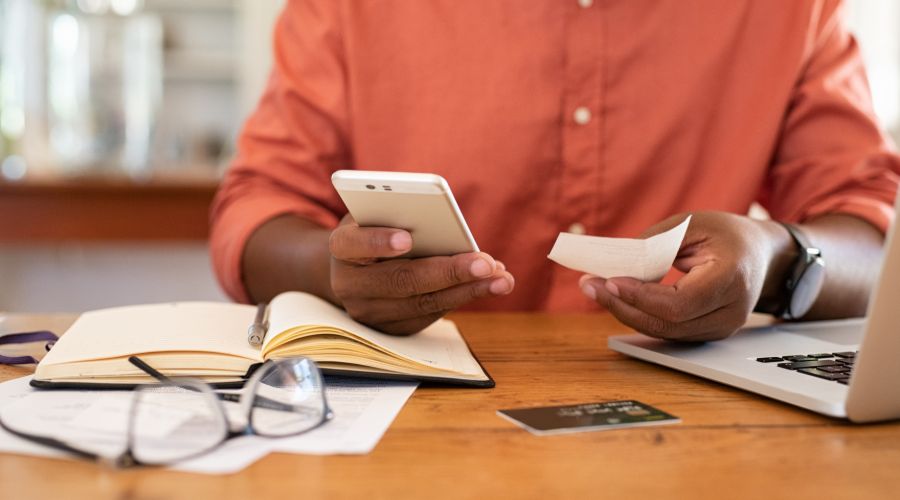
260,401
51,442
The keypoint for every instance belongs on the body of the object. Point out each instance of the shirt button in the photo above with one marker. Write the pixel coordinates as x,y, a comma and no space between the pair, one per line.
582,115
577,228
585,3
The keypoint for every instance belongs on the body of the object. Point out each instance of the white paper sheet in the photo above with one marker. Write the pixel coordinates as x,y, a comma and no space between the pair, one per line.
647,260
364,409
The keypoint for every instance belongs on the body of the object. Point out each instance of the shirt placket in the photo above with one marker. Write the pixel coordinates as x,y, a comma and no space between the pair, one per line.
582,121
582,135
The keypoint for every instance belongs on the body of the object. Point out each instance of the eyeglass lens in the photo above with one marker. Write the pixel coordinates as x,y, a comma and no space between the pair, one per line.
288,398
173,422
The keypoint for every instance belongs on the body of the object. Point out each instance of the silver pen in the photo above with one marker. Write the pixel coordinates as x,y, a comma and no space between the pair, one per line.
257,330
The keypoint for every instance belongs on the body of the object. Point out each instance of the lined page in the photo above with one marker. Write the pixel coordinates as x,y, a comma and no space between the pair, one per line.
440,345
181,326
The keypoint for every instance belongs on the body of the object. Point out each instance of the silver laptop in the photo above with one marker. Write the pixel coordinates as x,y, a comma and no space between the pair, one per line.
845,368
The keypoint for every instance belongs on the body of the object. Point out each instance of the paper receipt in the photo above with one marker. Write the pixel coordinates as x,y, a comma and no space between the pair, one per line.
646,260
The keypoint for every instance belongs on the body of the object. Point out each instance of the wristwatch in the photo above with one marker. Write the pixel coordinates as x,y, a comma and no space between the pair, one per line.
804,282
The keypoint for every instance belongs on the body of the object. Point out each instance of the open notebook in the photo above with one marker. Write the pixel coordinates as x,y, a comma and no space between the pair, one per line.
208,340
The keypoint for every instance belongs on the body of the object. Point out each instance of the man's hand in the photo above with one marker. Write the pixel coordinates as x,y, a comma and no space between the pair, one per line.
726,259
403,296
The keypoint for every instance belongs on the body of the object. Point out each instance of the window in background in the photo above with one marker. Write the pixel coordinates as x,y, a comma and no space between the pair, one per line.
215,57
876,24
103,66
199,115
128,86
12,87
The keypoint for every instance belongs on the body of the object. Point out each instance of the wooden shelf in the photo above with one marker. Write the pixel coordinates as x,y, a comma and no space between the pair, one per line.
105,209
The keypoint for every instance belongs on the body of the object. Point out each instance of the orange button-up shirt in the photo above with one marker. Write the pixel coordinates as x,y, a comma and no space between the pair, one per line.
544,115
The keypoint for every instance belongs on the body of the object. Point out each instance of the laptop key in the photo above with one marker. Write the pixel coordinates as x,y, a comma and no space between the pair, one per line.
821,355
845,381
848,354
798,357
770,359
815,372
847,361
835,369
808,364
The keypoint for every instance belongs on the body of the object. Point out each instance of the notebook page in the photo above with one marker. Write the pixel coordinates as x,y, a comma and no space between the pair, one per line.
440,345
179,326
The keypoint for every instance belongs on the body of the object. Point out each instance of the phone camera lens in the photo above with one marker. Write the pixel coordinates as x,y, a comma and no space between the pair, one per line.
369,186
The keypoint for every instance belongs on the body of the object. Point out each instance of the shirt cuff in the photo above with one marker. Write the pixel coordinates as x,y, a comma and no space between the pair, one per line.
876,212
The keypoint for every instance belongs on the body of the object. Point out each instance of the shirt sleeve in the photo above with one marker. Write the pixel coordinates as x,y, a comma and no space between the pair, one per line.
832,156
291,143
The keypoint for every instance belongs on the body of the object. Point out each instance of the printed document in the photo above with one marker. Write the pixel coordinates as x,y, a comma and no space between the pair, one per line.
364,409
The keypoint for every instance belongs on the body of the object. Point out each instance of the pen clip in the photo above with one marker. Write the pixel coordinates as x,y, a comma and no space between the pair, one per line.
257,330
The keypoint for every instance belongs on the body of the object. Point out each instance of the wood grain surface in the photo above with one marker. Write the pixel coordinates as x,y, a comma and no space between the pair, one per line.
105,209
449,443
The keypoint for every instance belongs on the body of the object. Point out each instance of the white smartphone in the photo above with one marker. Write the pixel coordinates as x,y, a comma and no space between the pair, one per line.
419,203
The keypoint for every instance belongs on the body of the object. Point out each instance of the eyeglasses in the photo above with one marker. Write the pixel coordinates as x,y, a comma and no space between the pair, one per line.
179,419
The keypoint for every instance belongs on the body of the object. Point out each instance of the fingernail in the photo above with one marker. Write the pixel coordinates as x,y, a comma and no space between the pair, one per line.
401,241
500,286
589,290
612,288
480,268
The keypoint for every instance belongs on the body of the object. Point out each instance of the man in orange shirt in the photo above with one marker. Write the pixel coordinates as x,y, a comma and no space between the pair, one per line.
596,116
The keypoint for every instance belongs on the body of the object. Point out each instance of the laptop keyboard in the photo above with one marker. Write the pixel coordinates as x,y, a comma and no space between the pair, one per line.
835,366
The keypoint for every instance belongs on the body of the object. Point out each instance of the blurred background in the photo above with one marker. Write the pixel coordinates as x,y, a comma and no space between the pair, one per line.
117,118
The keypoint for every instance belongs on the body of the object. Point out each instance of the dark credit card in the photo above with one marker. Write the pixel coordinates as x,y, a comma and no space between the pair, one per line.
587,417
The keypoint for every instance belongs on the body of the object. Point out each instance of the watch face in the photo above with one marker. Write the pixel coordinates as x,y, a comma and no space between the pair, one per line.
808,288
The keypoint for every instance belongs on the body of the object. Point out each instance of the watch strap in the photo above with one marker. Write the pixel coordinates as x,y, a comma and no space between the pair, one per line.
799,238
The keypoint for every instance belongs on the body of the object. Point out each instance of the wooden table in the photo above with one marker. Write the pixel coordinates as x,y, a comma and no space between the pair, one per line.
449,442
